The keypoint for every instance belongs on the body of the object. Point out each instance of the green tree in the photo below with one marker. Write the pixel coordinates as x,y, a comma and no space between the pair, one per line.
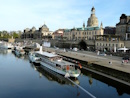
82,45
16,35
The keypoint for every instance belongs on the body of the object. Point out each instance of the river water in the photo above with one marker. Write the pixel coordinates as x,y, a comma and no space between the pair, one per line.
21,79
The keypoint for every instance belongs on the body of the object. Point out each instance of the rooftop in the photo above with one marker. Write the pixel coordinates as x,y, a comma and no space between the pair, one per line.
48,54
82,29
62,63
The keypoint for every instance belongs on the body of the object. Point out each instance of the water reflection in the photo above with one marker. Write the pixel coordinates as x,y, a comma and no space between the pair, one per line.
25,57
52,76
5,51
120,88
90,79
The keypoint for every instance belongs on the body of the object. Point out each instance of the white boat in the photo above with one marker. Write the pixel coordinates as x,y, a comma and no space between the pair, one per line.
34,58
6,45
19,51
57,64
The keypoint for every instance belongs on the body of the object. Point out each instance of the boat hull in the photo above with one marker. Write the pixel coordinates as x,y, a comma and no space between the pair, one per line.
58,71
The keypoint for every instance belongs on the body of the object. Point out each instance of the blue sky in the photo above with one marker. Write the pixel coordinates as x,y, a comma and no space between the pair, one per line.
21,14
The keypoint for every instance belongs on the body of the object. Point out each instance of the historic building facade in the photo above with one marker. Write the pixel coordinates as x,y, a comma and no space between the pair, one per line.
108,42
43,32
58,34
123,27
109,30
85,33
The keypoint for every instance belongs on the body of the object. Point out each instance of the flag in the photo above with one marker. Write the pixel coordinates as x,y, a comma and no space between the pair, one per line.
80,65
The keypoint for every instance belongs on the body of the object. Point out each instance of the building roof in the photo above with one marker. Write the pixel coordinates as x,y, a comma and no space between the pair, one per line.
44,26
47,54
82,29
123,16
63,62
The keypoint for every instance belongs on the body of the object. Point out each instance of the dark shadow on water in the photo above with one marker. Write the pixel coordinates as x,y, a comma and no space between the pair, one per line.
121,88
52,76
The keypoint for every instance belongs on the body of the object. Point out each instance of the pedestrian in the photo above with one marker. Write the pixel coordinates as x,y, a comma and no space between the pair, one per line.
122,61
126,61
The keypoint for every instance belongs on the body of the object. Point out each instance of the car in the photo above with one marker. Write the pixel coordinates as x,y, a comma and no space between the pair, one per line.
102,54
75,49
126,58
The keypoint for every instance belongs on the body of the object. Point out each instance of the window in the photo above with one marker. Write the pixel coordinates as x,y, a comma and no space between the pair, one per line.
116,45
129,29
109,44
113,45
95,32
121,45
97,44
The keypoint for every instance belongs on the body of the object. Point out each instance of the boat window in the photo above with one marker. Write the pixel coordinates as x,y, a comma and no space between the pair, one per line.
58,65
36,55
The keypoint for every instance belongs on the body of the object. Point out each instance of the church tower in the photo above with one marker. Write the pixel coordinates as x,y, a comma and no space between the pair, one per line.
83,25
101,26
93,20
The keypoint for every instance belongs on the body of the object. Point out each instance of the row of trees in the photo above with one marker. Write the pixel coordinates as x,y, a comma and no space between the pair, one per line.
14,34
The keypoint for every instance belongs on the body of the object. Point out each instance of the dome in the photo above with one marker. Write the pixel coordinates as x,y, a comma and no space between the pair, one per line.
26,30
93,20
33,29
44,26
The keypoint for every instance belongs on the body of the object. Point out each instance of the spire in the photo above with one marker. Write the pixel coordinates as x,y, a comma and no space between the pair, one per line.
83,24
101,26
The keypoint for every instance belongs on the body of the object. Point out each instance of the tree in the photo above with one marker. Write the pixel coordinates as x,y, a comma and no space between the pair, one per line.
15,35
82,45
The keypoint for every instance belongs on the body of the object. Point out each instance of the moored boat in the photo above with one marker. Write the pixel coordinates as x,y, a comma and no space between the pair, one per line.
34,58
6,45
57,64
19,51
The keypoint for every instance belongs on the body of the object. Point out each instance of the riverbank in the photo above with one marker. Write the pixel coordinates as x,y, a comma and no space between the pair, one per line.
100,63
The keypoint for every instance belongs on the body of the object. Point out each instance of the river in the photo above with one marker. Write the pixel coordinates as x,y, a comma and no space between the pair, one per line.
21,79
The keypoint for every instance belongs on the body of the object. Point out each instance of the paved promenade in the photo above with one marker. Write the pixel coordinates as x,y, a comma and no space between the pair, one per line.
93,58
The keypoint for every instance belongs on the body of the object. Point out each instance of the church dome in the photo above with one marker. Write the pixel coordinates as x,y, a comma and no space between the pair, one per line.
26,30
44,26
93,20
33,29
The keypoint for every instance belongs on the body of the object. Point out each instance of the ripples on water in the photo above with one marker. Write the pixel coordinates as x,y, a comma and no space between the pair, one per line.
21,79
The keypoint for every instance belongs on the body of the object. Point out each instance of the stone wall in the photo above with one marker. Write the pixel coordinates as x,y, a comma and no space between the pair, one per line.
127,44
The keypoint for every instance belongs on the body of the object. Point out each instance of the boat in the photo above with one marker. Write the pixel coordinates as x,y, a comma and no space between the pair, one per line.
19,51
55,63
34,58
53,76
6,45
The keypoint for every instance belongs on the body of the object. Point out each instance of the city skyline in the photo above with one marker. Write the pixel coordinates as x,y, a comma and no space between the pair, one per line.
21,14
